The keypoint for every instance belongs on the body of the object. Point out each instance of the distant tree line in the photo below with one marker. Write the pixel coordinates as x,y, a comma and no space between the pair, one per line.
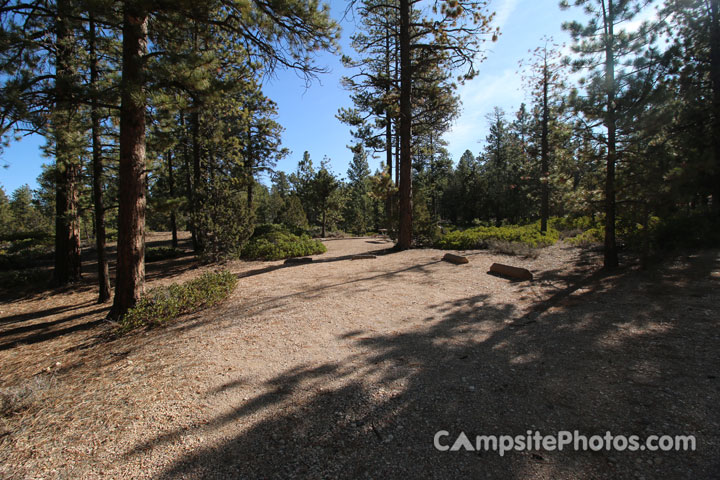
141,94
631,136
154,116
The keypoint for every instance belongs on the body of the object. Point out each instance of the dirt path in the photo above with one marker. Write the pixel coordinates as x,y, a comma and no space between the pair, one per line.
346,369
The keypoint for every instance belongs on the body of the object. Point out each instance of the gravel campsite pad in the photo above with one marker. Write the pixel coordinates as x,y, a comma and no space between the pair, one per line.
345,368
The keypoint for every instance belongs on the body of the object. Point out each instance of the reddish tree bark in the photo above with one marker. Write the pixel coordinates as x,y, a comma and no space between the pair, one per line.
130,276
405,188
171,184
97,161
545,152
67,234
610,259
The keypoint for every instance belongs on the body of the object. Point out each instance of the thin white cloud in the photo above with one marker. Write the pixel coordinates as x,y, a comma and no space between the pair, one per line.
647,14
503,9
479,96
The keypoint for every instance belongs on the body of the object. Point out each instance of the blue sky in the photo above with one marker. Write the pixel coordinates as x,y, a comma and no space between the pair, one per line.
308,114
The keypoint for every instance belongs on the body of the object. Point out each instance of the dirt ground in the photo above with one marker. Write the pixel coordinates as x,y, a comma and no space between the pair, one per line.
347,368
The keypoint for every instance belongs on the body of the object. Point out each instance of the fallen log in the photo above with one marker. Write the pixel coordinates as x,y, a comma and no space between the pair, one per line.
512,272
362,257
456,259
298,260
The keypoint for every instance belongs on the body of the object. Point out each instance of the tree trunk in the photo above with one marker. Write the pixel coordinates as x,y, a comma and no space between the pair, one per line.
610,260
102,263
250,165
130,276
405,190
388,115
544,161
388,135
397,119
323,221
67,235
197,173
250,186
188,182
171,185
715,81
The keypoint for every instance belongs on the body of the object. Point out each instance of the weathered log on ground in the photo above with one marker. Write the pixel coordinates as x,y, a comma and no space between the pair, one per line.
456,259
298,260
512,272
362,257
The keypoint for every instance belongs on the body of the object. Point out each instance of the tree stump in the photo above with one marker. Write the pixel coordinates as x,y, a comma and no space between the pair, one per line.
512,272
456,259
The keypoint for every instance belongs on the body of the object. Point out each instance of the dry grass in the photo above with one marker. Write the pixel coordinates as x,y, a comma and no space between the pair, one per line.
16,399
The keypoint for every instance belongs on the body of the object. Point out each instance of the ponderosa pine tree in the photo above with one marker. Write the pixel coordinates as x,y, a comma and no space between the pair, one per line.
284,34
262,140
323,185
374,86
38,99
95,43
693,61
545,77
454,32
430,44
602,41
358,207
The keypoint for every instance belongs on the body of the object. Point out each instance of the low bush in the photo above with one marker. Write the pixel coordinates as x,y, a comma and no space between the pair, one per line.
37,237
479,237
14,279
163,304
155,254
686,231
512,248
569,224
587,238
275,242
25,252
28,258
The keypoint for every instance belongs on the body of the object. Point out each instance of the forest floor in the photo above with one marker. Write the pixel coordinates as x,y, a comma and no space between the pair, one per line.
347,369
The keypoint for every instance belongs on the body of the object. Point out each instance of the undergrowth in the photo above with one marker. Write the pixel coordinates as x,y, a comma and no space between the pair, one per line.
275,242
155,254
164,304
481,237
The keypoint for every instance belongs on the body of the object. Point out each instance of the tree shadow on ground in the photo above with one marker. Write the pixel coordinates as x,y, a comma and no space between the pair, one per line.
29,334
633,353
315,260
38,314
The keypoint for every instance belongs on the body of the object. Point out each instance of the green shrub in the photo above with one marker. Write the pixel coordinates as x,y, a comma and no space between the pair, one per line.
24,254
14,279
163,304
275,242
38,237
587,238
155,254
685,231
569,224
266,228
478,237
512,248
